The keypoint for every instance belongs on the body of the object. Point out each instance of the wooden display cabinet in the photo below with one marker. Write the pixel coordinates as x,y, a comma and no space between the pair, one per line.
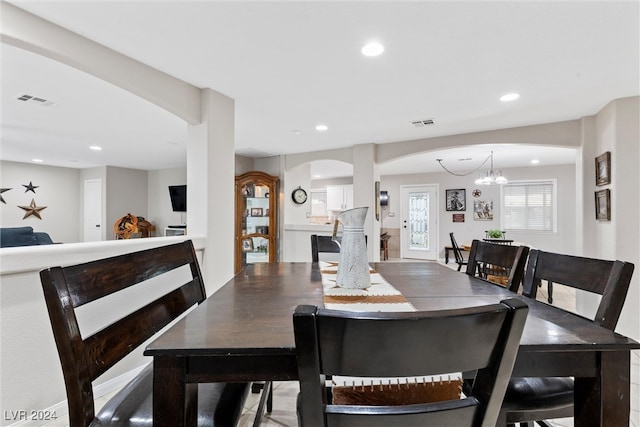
256,218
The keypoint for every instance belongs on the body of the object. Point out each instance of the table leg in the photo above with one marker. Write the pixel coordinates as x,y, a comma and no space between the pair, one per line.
605,400
175,403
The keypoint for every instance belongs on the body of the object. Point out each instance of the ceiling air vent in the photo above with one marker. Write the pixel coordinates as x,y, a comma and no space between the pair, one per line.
423,123
34,100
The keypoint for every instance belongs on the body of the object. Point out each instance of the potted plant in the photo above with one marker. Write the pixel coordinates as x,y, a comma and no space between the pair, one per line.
494,234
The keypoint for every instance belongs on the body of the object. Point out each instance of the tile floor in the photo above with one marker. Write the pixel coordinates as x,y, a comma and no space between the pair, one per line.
284,401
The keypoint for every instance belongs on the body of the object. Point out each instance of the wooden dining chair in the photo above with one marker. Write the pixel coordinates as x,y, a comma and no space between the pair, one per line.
405,345
529,400
502,264
457,252
323,244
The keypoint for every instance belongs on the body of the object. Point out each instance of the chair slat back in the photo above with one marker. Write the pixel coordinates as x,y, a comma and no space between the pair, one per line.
610,279
384,344
323,244
512,259
456,249
67,288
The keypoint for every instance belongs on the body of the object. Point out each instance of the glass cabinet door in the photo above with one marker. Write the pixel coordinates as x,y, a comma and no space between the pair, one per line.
255,223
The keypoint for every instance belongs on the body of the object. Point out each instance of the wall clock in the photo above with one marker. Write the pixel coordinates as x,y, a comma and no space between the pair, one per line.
299,196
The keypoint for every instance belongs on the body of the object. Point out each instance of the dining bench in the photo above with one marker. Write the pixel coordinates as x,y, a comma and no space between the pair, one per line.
152,288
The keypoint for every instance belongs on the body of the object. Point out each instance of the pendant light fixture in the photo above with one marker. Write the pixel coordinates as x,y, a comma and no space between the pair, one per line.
491,177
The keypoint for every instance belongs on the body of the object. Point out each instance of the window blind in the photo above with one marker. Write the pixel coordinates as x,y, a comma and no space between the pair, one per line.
528,206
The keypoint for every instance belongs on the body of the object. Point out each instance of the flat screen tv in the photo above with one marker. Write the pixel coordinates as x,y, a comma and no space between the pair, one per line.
178,195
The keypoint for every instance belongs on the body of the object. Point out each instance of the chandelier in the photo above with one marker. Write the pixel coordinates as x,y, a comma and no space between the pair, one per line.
491,177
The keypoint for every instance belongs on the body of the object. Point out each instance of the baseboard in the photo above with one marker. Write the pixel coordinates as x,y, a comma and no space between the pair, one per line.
44,416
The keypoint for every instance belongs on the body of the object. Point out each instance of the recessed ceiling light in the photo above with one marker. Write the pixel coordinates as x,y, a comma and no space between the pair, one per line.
535,161
36,160
510,97
322,128
372,49
95,148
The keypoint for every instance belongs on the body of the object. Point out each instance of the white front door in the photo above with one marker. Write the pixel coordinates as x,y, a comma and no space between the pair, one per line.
93,210
419,233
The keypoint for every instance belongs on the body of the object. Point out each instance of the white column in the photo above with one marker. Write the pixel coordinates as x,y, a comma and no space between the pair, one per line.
210,184
365,174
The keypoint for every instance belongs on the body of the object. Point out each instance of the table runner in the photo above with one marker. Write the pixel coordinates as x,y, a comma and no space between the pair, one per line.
381,296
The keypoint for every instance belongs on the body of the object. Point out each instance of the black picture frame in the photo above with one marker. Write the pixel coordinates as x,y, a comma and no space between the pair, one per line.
603,205
603,169
456,200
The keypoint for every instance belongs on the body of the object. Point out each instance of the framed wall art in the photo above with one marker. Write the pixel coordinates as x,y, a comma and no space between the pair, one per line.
483,210
456,200
603,205
247,245
256,211
603,169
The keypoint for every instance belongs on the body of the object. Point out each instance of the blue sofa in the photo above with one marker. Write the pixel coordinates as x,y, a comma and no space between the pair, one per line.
22,236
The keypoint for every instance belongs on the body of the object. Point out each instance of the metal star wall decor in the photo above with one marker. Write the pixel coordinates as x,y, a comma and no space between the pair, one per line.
32,209
30,187
2,190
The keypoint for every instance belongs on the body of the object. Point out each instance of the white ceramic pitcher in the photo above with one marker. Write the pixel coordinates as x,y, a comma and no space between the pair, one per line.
353,267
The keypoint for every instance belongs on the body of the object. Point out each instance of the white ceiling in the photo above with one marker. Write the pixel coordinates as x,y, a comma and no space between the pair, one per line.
292,65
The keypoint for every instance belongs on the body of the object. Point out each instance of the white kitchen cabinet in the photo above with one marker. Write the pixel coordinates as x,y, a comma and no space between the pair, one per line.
339,197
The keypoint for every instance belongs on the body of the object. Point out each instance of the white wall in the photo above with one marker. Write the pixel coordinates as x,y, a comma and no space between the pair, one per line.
61,190
292,213
323,183
465,232
126,193
299,176
616,128
57,190
243,165
160,213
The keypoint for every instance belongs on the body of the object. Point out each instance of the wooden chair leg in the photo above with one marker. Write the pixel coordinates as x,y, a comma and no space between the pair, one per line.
270,398
265,398
550,291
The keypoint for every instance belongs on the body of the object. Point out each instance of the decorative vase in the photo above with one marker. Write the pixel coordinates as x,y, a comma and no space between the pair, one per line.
353,267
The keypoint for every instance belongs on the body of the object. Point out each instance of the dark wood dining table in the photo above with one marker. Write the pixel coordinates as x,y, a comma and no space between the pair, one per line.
244,332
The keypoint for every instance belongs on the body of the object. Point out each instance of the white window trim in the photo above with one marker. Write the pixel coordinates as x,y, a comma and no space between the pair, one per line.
554,195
